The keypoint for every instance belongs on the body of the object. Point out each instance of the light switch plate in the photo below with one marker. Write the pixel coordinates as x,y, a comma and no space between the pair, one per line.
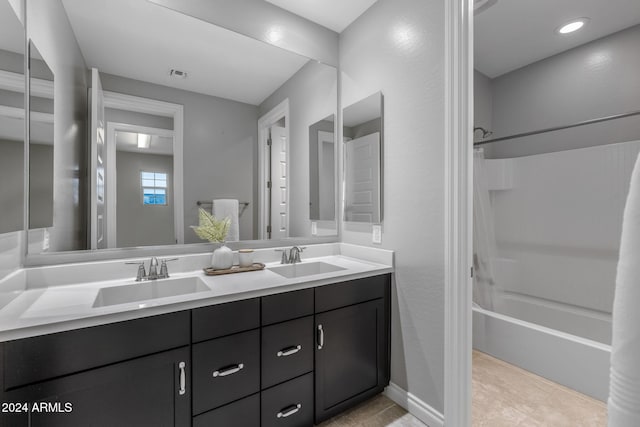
376,236
314,228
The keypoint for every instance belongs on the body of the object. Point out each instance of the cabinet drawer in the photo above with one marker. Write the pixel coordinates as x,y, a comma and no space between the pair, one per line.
40,358
289,404
352,292
242,413
225,319
287,306
287,350
225,369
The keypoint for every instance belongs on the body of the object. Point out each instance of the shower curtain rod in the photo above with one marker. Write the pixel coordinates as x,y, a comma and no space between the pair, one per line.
536,132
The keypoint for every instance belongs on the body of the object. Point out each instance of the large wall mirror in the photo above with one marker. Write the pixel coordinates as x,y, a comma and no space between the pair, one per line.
363,136
12,119
150,125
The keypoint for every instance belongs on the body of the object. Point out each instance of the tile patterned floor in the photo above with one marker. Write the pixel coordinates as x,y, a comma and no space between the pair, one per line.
379,411
505,395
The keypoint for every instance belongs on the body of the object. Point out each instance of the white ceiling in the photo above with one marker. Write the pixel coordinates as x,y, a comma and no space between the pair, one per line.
513,33
128,141
362,111
333,14
11,31
140,40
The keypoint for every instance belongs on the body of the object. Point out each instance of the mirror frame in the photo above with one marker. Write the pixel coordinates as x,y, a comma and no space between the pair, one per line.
54,258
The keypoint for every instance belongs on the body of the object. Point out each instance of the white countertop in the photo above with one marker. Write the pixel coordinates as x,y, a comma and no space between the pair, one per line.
42,310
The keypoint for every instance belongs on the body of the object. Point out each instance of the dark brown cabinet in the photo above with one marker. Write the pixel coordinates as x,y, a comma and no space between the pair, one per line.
147,391
352,351
286,359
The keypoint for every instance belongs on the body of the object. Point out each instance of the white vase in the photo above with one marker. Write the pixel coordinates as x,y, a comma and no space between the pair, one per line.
222,258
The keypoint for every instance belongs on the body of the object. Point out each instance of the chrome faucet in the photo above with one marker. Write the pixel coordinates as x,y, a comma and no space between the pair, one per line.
153,269
294,254
293,257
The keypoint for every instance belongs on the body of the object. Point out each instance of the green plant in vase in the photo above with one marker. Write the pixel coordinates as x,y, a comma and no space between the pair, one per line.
215,231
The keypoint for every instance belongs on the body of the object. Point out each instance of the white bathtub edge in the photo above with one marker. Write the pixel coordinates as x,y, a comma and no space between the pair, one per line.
574,362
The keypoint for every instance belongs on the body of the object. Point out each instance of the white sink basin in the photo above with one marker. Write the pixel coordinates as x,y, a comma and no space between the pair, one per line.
150,290
305,269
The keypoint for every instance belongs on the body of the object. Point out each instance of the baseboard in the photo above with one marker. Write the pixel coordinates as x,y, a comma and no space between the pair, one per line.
415,406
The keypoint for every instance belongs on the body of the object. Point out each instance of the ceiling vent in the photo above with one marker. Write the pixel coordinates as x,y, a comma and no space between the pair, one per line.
178,74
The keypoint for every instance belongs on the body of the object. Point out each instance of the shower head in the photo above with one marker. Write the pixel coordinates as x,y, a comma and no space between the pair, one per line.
485,133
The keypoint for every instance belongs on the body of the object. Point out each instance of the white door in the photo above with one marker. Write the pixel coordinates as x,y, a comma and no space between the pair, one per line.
279,184
98,165
362,183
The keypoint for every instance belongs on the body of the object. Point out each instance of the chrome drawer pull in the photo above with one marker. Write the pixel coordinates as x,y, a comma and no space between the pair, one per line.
320,337
289,351
229,370
183,379
288,411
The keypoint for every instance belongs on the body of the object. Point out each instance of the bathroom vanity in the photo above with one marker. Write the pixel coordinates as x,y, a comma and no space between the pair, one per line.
294,355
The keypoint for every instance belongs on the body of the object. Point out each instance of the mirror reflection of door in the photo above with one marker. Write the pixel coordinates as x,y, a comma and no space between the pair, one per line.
98,165
273,161
279,224
362,184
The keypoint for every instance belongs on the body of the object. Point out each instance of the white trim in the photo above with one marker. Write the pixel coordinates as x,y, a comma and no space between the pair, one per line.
458,211
112,178
14,82
18,113
415,406
166,109
264,123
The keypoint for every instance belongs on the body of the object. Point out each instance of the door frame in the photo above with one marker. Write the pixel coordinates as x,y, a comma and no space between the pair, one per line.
165,109
458,211
277,113
112,178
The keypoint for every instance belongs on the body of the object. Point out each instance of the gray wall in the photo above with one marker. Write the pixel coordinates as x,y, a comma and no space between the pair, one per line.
397,47
219,148
40,186
138,224
50,31
312,94
362,129
11,189
482,102
314,177
598,79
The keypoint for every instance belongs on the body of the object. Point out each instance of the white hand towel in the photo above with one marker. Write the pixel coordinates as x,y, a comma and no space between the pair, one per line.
223,208
624,383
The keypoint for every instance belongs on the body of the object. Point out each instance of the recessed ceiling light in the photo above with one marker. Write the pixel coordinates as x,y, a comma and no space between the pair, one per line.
572,26
144,140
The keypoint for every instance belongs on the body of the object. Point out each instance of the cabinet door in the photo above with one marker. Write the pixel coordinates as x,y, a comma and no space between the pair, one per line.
148,391
351,356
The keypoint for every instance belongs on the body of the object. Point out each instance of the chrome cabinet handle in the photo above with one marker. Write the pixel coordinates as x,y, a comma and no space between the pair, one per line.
289,351
320,337
183,378
229,370
288,411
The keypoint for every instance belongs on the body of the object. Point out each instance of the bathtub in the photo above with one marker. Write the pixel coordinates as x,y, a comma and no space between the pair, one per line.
575,362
